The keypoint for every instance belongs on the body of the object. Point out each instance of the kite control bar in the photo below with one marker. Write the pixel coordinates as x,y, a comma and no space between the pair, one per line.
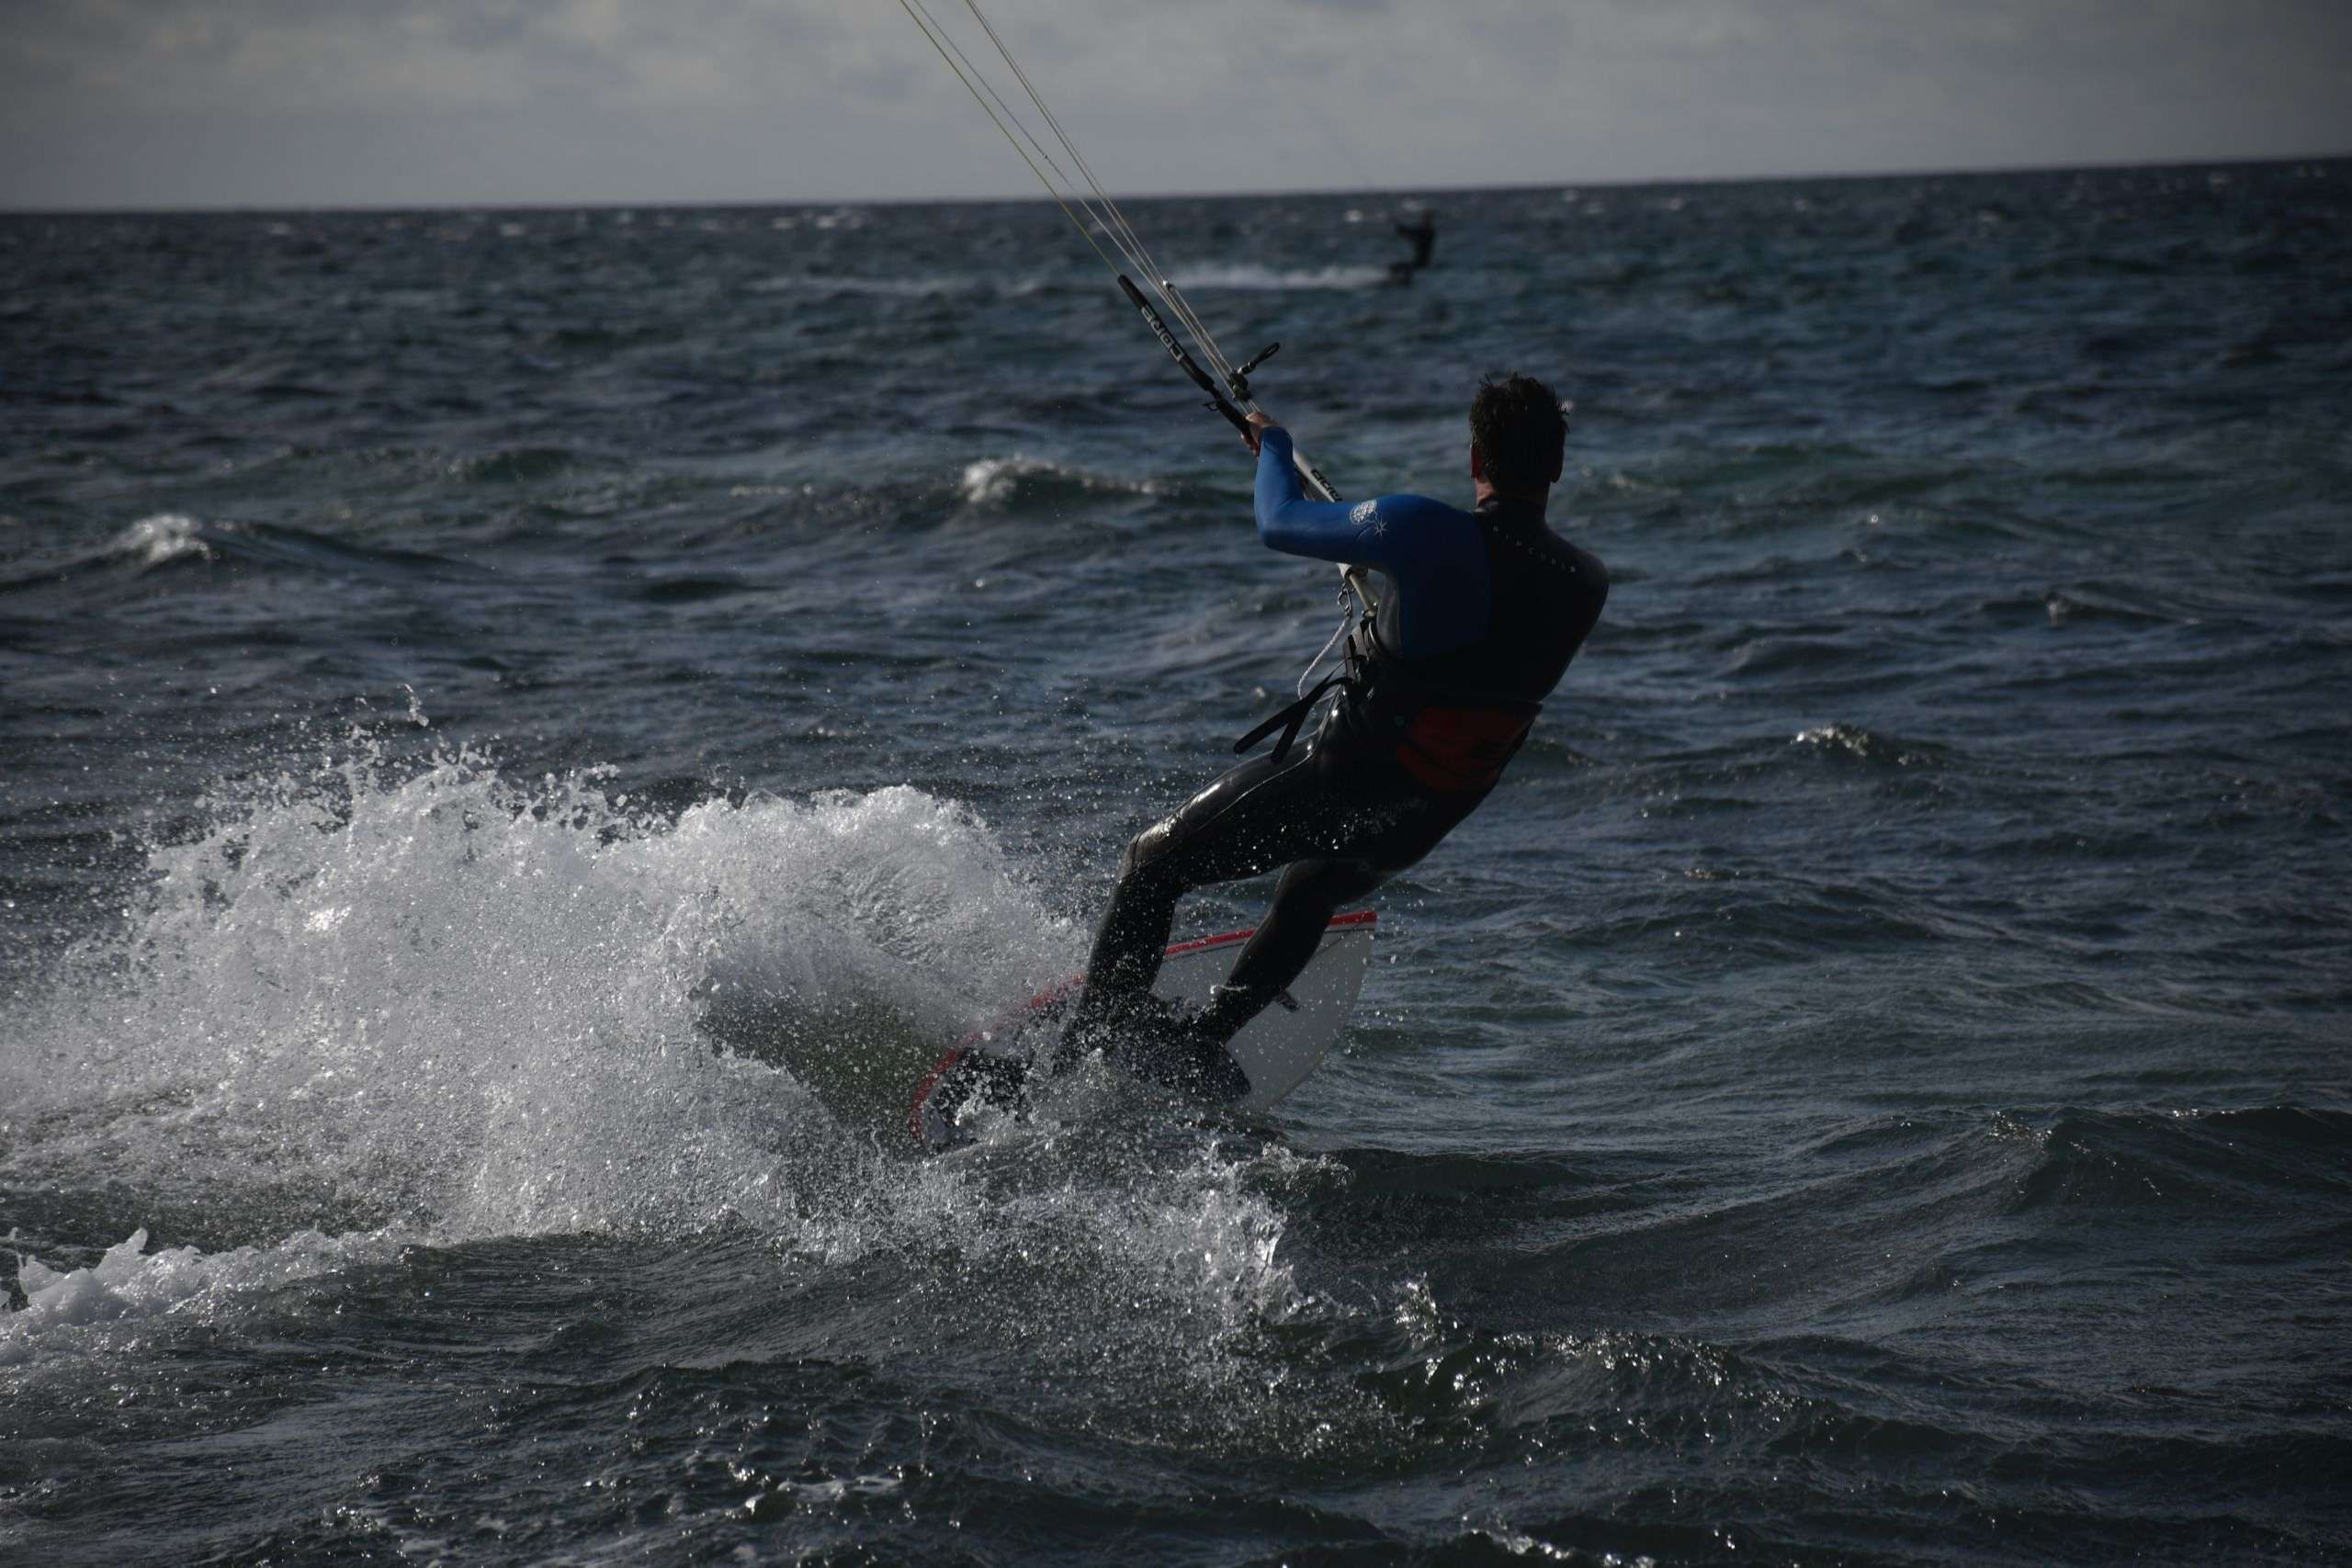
1184,362
1238,380
1224,405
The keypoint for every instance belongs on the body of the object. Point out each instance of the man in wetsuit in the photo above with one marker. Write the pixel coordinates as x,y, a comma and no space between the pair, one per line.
1481,611
1422,234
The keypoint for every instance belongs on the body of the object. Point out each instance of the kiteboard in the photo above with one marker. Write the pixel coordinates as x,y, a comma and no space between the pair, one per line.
1276,1049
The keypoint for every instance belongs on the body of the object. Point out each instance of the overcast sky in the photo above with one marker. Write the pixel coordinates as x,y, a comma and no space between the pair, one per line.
193,102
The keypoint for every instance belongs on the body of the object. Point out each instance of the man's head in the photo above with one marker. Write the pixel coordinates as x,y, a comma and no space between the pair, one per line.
1518,436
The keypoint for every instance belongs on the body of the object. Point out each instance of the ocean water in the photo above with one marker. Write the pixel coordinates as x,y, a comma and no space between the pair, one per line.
520,731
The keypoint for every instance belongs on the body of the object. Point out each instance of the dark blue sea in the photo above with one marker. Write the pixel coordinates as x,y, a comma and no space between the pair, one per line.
520,731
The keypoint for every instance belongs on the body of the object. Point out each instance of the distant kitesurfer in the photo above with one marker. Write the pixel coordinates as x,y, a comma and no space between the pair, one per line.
1422,234
1481,614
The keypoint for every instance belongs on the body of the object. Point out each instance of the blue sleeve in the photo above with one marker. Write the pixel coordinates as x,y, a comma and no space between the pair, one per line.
1356,532
1432,553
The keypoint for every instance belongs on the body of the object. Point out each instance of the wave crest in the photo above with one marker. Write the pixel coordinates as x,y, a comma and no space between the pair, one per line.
1250,276
1021,481
1867,746
165,537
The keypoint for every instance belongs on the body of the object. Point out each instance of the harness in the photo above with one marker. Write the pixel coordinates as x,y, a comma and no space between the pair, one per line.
1450,738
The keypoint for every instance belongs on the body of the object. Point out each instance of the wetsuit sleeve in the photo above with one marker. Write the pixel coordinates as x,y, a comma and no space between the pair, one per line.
1361,533
1430,554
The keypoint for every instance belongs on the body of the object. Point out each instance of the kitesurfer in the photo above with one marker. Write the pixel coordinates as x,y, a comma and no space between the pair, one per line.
1481,614
1422,234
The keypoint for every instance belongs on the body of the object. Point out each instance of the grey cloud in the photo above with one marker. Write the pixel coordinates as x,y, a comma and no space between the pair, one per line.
197,101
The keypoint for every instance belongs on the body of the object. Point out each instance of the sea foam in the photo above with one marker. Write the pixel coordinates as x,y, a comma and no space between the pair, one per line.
129,1285
376,1005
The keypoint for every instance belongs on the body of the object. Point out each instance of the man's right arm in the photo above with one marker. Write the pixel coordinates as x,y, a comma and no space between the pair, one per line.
1322,530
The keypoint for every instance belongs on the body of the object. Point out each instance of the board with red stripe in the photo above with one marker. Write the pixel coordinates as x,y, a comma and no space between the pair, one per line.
1277,1049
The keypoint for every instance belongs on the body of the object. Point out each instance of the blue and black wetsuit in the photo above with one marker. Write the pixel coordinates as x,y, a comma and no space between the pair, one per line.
1483,612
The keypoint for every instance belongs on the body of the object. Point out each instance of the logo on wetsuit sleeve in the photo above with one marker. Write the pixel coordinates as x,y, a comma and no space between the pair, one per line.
1365,512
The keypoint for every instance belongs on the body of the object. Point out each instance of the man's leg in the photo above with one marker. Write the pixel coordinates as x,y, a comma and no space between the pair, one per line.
1257,816
1309,894
1386,829
1342,829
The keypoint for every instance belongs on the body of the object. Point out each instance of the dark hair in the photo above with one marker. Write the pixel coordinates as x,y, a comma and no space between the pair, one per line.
1518,432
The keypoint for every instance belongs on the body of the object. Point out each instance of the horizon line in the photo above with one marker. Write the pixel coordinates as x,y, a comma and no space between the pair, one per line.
757,203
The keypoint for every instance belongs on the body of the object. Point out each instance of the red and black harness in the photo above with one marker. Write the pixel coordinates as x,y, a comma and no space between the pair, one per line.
1447,738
